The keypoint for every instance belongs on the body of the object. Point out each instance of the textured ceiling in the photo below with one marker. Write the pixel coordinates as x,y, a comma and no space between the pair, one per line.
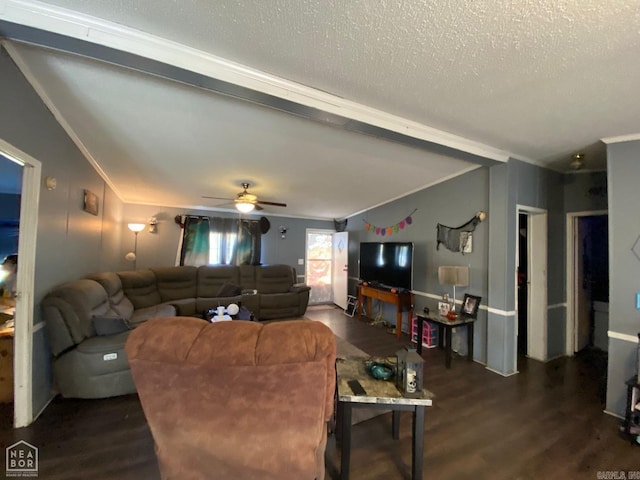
540,80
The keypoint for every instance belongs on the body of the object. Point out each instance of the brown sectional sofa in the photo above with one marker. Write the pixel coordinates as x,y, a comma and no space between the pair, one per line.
91,365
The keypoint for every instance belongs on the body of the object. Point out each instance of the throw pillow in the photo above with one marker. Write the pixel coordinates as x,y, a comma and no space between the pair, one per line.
109,325
229,290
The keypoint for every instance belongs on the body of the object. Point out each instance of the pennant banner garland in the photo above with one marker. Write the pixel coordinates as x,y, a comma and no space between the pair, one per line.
392,229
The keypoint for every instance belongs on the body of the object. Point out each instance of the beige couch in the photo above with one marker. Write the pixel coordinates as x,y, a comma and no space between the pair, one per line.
90,362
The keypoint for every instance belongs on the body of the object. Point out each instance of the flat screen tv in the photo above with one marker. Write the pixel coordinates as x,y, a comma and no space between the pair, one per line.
389,264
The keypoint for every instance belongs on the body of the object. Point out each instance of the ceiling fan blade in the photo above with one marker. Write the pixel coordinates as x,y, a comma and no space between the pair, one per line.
257,207
219,198
275,204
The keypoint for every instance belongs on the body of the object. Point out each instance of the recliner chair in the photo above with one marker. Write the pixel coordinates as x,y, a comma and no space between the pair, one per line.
237,399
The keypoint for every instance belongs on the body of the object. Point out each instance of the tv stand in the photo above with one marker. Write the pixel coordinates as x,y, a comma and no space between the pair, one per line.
400,298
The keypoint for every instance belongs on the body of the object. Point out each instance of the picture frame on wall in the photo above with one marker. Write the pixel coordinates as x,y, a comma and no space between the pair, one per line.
470,305
91,202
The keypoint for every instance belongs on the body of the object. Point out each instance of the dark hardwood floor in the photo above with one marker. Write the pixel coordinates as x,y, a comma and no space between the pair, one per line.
546,422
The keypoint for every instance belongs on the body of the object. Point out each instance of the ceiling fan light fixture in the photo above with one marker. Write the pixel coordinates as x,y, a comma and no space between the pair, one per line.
577,162
245,207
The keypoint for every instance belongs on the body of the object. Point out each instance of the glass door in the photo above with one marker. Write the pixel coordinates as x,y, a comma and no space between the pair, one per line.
319,274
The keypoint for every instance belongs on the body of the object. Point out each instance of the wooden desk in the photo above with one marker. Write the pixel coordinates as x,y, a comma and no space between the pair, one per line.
399,298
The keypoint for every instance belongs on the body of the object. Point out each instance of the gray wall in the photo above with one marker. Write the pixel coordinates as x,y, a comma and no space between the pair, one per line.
585,192
623,169
541,188
451,203
160,249
70,242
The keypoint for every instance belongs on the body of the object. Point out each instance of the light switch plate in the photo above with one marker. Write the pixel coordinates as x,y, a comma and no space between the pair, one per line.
301,261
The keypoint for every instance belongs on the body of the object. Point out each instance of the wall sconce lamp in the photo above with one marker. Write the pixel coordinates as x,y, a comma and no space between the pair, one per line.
283,231
455,277
153,225
136,228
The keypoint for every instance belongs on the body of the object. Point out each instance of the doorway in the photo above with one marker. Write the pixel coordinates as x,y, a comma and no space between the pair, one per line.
10,194
327,266
587,281
24,302
522,283
531,283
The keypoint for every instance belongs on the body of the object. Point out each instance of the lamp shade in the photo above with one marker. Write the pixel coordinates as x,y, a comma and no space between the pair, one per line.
245,207
453,275
136,227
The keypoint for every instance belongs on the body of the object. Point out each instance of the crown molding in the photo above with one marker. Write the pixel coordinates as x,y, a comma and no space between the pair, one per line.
621,138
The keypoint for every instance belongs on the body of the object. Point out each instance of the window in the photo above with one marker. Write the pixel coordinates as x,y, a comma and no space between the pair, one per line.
221,247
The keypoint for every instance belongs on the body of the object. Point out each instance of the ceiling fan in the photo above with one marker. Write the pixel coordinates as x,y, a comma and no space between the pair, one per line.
246,202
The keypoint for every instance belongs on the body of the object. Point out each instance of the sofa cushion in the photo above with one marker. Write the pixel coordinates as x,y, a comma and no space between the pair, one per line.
140,286
107,325
156,311
68,310
176,283
112,284
248,276
229,290
205,304
211,279
274,278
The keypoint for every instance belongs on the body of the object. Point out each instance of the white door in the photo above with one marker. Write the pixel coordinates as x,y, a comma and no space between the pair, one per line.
537,301
318,273
340,268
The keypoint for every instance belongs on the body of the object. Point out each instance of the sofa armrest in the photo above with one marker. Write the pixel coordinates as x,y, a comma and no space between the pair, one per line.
299,287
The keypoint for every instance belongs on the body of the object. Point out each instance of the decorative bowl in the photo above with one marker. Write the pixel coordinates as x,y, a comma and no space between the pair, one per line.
380,371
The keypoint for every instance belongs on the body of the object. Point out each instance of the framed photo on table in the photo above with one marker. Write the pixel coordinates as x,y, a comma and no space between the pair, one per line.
443,308
470,305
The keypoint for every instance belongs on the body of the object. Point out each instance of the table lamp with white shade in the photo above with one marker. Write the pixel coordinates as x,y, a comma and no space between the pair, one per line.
454,276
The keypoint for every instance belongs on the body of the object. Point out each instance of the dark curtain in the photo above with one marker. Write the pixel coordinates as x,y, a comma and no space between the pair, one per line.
239,242
195,243
249,247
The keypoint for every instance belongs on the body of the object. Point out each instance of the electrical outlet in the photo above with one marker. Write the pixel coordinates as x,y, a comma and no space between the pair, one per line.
301,261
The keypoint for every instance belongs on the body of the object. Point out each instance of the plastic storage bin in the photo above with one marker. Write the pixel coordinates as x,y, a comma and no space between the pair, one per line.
429,333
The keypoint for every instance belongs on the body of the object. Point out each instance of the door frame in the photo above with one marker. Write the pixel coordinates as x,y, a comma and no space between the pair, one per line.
537,236
306,252
341,270
571,226
23,336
